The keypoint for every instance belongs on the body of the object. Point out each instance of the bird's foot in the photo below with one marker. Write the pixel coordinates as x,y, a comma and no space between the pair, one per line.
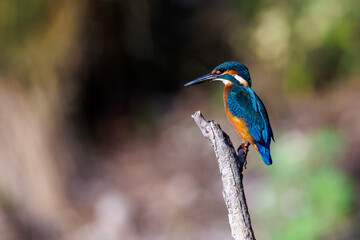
242,152
244,146
242,161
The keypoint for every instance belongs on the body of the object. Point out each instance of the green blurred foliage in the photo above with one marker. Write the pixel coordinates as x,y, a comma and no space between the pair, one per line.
317,198
36,37
18,21
311,43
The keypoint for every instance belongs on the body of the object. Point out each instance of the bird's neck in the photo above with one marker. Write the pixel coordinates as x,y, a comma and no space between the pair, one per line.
226,90
226,93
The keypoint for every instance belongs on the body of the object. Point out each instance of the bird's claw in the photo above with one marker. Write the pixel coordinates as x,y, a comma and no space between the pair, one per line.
243,146
243,163
242,152
242,160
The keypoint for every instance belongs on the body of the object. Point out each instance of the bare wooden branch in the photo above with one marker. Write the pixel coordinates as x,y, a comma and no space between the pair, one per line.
230,166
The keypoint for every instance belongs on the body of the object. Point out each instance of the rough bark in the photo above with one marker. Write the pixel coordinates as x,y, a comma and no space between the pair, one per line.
230,165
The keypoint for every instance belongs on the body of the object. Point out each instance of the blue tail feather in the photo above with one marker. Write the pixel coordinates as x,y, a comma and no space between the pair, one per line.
265,154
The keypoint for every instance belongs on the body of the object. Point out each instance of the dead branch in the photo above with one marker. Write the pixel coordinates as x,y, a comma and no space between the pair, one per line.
230,166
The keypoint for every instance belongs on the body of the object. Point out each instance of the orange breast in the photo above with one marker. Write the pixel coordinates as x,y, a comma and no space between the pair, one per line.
238,123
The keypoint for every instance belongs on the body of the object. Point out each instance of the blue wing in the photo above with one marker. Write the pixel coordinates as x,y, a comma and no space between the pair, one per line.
244,103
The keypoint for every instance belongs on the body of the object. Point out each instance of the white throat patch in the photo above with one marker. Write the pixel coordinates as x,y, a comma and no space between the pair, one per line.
222,80
241,80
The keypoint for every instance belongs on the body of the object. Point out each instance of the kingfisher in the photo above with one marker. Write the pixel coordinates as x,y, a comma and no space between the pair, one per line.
243,107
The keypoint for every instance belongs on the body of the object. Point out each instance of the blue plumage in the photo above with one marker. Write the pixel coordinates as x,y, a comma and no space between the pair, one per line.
243,103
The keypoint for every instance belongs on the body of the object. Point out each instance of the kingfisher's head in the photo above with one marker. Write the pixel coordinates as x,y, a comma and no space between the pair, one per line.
228,73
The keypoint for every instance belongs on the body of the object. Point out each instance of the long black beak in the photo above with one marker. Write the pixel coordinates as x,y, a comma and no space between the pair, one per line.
207,78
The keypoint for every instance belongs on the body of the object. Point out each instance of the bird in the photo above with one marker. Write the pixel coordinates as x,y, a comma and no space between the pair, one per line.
243,107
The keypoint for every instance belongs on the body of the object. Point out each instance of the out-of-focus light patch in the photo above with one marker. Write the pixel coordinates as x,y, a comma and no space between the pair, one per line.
112,214
292,202
112,219
112,208
270,39
181,190
326,146
317,19
266,197
290,149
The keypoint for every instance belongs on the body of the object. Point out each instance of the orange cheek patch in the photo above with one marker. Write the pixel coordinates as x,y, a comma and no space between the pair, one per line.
231,72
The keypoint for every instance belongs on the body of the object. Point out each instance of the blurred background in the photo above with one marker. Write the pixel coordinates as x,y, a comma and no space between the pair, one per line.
96,138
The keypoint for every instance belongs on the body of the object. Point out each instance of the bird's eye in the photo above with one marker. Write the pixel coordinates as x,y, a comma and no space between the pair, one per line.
221,70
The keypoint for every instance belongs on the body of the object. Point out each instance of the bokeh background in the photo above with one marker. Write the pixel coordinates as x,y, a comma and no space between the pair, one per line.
96,138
